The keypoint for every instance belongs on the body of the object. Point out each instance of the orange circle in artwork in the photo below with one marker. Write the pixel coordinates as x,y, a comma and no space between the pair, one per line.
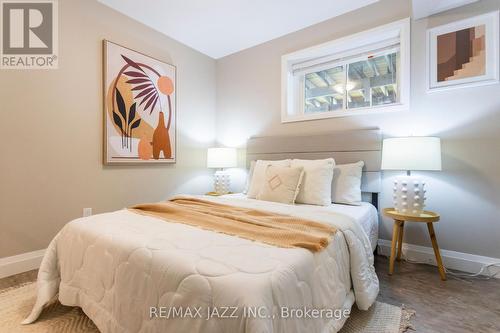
165,85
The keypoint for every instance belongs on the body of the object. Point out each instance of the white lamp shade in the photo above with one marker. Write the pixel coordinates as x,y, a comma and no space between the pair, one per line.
221,158
412,153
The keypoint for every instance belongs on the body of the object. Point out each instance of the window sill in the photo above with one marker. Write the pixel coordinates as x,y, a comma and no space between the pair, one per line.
345,113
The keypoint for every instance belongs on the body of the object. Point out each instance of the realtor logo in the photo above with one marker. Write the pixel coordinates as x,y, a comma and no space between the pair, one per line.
29,34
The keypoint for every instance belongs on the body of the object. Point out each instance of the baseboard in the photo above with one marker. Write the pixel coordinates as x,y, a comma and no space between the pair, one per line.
464,262
20,263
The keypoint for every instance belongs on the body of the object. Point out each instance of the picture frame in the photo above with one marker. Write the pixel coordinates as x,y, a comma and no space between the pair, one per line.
464,53
140,109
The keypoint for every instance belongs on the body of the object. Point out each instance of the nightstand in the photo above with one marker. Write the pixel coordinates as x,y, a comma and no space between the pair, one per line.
215,194
397,235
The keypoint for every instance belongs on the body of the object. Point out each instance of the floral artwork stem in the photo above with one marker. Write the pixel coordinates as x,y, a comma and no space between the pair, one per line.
130,140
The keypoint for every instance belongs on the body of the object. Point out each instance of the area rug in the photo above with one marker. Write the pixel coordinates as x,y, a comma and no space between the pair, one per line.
16,303
380,318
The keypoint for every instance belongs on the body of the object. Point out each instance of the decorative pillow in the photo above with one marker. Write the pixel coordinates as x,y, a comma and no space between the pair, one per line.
281,184
347,183
316,187
258,176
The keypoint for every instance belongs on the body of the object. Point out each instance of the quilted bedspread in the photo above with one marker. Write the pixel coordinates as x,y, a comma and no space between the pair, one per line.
134,273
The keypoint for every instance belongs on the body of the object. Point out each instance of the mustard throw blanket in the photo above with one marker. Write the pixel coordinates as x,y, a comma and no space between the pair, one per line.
266,227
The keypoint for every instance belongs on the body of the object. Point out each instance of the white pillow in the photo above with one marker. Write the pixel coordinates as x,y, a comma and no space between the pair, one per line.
282,184
347,183
316,188
258,176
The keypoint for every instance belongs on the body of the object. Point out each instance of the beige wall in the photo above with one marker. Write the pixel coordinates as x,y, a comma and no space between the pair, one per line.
466,193
51,128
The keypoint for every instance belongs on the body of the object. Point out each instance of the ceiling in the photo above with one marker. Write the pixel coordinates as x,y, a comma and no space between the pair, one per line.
424,8
220,27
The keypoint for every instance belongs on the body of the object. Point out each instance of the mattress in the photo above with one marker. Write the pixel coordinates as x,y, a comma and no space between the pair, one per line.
366,215
138,274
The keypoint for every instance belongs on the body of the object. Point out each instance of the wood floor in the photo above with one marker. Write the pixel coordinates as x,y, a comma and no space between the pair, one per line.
16,280
453,306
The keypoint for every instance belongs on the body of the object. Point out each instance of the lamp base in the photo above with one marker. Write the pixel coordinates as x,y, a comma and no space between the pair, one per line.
222,182
409,195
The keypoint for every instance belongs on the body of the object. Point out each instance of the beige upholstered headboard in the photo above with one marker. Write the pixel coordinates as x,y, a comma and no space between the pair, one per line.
344,146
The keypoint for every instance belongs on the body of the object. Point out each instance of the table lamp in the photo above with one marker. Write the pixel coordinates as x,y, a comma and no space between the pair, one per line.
220,158
411,153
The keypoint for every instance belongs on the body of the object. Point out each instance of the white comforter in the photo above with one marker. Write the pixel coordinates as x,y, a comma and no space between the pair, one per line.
117,266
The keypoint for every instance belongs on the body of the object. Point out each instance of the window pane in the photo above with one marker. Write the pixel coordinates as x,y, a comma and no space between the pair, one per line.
357,98
373,81
325,90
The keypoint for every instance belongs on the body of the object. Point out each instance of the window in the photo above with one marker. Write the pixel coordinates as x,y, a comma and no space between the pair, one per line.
325,90
360,74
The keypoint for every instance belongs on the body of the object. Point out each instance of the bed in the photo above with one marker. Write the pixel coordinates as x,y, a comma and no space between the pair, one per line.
135,273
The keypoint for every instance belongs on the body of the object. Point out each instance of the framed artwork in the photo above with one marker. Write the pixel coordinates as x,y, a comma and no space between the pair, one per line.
463,53
139,107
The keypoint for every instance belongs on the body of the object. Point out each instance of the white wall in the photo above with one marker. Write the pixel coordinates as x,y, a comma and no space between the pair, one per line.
51,128
466,193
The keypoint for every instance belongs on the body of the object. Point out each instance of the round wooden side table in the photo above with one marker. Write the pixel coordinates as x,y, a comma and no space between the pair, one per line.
427,217
215,194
